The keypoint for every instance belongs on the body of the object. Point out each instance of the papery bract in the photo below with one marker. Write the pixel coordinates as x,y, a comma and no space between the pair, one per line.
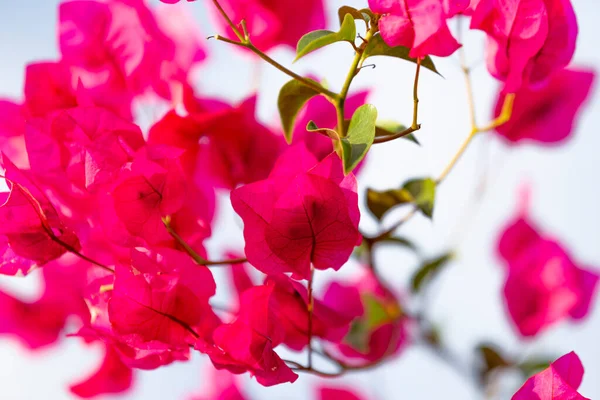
40,323
302,214
164,300
337,393
527,39
547,114
111,377
247,343
559,381
31,231
290,305
419,25
122,40
543,285
237,148
272,22
219,385
156,187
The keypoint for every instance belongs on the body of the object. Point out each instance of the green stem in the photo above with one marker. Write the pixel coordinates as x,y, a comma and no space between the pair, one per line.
340,101
307,82
192,253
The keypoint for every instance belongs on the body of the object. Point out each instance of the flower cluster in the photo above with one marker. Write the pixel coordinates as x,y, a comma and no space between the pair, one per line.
115,217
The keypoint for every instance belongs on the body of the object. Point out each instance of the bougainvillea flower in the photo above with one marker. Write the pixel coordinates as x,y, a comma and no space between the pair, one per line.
165,299
31,231
48,87
155,187
528,40
290,305
419,25
302,214
337,393
219,385
547,114
133,351
41,322
271,23
381,330
122,39
237,148
111,377
86,145
12,127
247,343
322,113
544,285
559,381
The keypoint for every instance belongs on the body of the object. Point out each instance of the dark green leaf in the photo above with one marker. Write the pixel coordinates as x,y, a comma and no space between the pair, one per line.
492,359
423,192
292,97
377,47
356,14
399,241
317,39
420,192
388,128
428,270
360,136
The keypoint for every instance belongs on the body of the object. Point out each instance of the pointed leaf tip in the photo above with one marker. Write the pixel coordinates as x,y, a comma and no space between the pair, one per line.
317,39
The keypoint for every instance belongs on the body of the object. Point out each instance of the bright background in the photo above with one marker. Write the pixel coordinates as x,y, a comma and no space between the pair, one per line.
467,304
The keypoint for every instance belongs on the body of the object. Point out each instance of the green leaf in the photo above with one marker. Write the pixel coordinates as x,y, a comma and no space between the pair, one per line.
315,40
375,311
399,241
387,128
330,133
423,192
534,365
377,47
361,133
364,14
420,192
292,97
428,270
492,359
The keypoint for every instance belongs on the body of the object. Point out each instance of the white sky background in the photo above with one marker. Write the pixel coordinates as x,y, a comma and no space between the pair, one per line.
468,303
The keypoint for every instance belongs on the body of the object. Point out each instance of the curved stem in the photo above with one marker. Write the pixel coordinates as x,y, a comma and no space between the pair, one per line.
406,132
192,253
310,307
340,101
415,125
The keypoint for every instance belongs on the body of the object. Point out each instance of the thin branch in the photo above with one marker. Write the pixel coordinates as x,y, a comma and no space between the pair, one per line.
406,132
192,253
310,309
415,125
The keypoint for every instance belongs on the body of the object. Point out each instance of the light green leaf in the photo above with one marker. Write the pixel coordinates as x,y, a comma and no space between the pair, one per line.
377,47
330,133
428,271
292,97
532,366
420,192
361,133
315,40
